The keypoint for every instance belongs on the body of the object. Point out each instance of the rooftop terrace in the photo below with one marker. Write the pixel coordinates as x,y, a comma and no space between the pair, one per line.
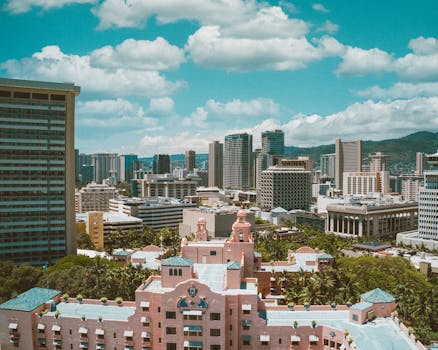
93,311
30,299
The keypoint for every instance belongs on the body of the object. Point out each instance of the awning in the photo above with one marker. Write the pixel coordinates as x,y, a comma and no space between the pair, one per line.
295,338
84,345
57,341
264,337
313,338
144,319
192,312
56,328
13,325
144,304
192,328
99,331
128,333
100,346
193,344
83,330
246,337
246,322
42,341
246,307
145,335
129,347
41,326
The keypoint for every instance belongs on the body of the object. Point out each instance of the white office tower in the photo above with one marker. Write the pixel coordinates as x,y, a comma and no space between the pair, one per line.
428,202
419,160
238,162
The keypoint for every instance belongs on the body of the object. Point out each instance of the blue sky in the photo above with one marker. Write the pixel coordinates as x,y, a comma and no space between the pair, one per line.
171,75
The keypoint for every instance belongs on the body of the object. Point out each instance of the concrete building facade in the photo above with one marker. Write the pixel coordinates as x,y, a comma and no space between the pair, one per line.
94,197
161,164
215,164
328,166
37,170
238,162
286,187
348,159
371,219
190,160
378,162
164,185
105,165
362,184
410,186
128,164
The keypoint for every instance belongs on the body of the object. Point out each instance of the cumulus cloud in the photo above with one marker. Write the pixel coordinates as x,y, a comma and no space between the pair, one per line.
328,27
319,7
237,107
21,6
197,119
52,64
119,113
357,61
360,120
210,47
161,106
139,55
401,90
134,13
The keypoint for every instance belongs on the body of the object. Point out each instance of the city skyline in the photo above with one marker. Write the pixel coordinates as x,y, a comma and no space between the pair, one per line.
191,73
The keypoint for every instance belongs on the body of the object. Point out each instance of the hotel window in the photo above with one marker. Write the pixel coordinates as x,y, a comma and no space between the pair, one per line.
170,330
215,316
215,332
171,346
170,314
215,347
355,317
326,342
212,252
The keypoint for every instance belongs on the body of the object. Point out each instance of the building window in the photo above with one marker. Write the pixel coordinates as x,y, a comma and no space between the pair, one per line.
215,332
170,330
355,317
159,309
215,316
159,324
171,346
212,252
231,327
326,342
215,347
170,314
246,312
179,272
170,272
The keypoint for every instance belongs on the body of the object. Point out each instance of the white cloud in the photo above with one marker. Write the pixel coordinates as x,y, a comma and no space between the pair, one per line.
21,6
376,120
161,106
140,55
357,61
134,13
209,47
197,119
319,7
328,27
237,107
424,46
119,114
180,141
54,65
401,90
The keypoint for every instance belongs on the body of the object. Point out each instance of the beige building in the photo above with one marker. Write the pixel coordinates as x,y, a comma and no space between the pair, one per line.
94,197
364,183
286,187
371,219
164,185
99,224
410,186
218,220
348,159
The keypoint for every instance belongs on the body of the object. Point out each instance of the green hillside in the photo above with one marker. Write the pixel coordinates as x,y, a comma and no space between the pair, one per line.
400,151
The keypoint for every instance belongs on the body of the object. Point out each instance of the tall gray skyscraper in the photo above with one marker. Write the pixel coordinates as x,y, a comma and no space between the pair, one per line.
238,161
419,163
348,159
190,160
328,165
37,171
215,164
161,164
105,165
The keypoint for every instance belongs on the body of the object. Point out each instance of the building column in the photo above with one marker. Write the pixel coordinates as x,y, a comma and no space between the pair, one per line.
360,226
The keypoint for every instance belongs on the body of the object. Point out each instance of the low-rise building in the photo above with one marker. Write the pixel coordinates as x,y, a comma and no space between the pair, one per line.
207,298
157,212
371,218
94,197
163,185
365,183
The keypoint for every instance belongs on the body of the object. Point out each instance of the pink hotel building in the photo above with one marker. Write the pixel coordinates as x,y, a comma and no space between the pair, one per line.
207,298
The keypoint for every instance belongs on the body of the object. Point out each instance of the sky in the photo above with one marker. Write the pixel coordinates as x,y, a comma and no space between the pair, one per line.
165,76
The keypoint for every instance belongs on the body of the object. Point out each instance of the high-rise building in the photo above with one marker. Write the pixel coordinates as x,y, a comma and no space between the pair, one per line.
190,160
328,165
348,158
286,187
419,163
94,197
37,171
105,165
273,142
238,161
215,164
86,174
410,186
127,166
428,201
378,162
77,166
365,183
161,164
